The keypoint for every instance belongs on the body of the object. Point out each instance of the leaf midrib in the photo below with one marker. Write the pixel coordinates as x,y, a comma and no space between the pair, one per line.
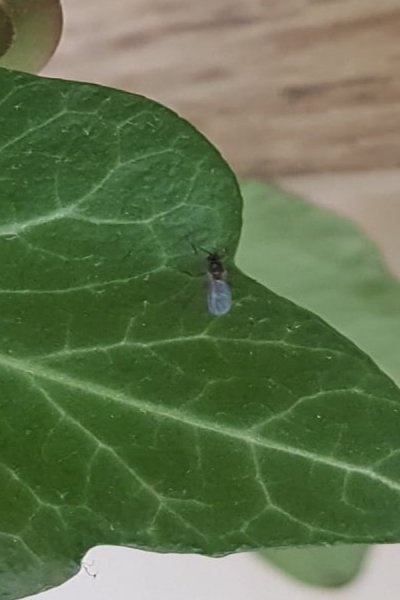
35,370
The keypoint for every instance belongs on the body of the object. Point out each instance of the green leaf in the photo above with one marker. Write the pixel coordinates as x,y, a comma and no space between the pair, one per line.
30,31
330,566
325,263
129,414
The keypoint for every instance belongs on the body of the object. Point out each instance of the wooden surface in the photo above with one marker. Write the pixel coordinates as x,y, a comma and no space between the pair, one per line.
281,86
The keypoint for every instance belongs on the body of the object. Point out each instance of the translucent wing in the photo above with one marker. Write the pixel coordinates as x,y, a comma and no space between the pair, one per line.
219,297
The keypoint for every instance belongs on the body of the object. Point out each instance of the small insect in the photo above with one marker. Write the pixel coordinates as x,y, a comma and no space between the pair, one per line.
219,296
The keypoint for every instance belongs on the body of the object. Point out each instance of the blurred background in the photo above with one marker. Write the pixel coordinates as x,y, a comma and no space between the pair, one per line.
302,92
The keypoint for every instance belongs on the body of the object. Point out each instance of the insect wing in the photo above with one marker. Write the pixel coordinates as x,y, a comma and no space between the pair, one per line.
219,297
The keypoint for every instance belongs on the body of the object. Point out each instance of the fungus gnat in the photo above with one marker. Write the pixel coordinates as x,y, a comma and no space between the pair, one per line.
219,296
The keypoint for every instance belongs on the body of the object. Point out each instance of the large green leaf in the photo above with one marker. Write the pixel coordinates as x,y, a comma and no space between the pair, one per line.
129,414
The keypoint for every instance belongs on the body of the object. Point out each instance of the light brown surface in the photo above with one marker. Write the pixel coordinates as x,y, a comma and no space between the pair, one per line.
281,86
